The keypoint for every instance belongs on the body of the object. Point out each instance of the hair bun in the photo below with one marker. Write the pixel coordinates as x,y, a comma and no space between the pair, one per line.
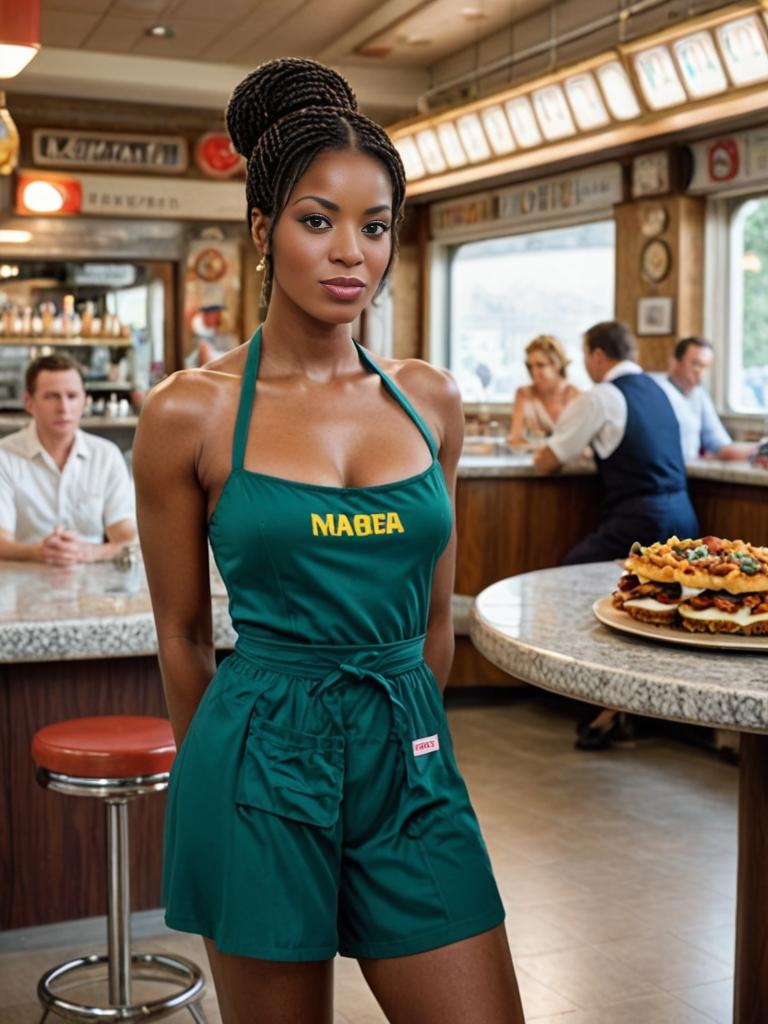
280,87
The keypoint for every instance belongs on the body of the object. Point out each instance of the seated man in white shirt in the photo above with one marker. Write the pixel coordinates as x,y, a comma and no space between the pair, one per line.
62,491
701,431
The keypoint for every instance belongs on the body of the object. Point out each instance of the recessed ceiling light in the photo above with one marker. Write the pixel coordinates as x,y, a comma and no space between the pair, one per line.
473,14
418,40
160,32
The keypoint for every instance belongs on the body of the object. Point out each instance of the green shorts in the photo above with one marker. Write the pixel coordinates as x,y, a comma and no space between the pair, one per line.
315,807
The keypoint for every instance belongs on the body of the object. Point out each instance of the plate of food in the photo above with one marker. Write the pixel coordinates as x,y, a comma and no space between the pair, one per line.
708,592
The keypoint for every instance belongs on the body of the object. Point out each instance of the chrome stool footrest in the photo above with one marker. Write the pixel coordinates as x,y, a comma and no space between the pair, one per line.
151,966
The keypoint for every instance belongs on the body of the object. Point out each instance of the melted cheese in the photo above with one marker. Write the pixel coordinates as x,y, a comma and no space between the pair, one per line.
650,605
691,591
743,616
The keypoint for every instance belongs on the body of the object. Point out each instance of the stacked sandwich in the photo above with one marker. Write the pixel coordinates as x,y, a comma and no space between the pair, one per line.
706,586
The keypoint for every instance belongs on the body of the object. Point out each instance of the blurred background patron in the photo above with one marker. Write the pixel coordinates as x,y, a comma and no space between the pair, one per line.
539,404
65,496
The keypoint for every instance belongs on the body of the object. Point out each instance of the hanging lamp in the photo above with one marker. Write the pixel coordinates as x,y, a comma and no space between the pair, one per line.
19,35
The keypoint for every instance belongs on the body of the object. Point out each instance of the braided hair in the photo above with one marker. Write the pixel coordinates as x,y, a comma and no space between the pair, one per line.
281,116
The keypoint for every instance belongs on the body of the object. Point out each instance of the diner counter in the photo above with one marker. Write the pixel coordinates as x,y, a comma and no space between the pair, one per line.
520,464
85,611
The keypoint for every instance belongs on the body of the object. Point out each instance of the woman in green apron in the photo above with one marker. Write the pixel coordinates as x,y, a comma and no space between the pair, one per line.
315,805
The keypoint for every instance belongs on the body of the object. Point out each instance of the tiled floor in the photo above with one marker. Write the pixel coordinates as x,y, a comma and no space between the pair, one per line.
617,870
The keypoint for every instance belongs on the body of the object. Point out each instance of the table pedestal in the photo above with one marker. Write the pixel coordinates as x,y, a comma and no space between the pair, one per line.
751,981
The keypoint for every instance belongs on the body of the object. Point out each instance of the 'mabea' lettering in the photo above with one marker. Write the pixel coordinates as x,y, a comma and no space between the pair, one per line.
361,525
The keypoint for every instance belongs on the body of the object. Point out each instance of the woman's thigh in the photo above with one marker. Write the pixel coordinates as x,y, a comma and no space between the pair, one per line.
472,980
252,991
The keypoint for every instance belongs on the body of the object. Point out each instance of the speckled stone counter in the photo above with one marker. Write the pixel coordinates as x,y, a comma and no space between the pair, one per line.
539,627
86,611
505,463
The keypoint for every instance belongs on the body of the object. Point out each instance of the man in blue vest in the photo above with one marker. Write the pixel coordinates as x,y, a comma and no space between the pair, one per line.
629,423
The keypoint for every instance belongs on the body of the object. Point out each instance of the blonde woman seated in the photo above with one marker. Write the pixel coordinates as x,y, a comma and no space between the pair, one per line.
538,405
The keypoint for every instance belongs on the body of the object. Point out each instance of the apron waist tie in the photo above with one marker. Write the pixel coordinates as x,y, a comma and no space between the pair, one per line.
329,664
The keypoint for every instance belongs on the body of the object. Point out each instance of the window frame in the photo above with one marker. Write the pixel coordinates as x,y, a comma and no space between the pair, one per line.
441,254
722,286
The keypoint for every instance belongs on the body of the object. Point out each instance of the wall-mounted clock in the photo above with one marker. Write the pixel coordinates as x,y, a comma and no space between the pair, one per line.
656,260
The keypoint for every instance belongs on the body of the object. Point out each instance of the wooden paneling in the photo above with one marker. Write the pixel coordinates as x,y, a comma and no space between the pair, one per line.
52,850
509,525
730,510
684,235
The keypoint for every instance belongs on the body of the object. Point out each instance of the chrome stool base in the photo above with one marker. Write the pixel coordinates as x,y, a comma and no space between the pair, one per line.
147,966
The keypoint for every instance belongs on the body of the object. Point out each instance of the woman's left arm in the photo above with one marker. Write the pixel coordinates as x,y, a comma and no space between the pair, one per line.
439,644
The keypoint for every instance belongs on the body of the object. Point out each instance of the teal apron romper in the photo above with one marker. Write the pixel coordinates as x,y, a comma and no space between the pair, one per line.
315,805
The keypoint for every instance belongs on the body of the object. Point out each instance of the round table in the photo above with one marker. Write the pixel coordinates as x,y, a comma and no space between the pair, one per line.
539,627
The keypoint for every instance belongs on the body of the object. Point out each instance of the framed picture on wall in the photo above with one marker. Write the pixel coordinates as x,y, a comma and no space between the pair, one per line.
656,315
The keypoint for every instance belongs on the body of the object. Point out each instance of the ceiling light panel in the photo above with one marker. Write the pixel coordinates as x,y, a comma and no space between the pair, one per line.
659,80
618,91
430,151
552,112
586,102
409,154
523,122
700,65
497,129
473,138
451,144
742,43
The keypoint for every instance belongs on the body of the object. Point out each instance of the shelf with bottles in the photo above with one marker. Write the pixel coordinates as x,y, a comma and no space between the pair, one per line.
47,324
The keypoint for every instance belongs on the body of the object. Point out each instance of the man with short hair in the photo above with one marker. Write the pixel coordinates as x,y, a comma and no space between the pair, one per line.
701,431
628,422
61,490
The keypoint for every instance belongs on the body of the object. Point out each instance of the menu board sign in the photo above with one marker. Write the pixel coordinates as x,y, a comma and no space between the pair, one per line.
60,147
730,161
596,188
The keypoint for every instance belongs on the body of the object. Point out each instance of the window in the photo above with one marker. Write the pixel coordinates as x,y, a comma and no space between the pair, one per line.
506,291
748,379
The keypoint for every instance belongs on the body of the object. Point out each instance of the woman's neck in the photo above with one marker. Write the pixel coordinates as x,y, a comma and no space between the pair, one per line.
293,342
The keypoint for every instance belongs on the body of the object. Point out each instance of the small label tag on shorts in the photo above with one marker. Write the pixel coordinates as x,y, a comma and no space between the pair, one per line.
425,745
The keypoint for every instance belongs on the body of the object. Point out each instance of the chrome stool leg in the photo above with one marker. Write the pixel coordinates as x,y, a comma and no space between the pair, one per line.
122,964
119,903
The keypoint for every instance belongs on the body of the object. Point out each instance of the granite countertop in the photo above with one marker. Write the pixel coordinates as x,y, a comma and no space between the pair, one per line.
527,627
505,463
86,611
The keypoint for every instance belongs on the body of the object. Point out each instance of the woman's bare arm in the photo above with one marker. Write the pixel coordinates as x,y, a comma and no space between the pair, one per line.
171,507
439,644
516,433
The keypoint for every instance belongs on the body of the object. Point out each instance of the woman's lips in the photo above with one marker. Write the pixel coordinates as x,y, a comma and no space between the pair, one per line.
344,289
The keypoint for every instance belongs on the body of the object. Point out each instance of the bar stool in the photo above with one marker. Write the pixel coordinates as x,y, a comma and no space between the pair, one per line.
116,758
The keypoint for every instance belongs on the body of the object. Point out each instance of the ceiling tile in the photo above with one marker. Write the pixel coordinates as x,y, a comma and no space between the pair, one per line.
235,10
116,34
252,29
65,28
314,26
141,8
75,6
189,40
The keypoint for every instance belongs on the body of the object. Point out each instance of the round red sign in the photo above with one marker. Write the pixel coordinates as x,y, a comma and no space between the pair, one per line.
215,157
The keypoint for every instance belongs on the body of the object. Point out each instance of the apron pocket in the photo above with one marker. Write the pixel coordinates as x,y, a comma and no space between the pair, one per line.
292,774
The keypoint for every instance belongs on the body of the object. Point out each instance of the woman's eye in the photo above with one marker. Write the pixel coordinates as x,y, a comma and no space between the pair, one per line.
376,228
316,222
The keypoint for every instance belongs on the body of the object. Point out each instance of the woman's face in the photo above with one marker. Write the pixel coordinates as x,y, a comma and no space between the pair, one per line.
542,368
333,240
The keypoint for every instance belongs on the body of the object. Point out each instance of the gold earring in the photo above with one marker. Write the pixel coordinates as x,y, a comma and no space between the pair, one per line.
262,264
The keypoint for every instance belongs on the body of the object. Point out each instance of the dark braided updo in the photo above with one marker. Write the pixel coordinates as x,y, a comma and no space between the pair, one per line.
286,112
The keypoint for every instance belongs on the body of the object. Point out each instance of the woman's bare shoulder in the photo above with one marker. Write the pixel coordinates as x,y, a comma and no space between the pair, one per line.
183,397
426,384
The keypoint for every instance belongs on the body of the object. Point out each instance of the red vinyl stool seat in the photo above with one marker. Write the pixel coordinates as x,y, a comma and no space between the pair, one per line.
116,758
106,746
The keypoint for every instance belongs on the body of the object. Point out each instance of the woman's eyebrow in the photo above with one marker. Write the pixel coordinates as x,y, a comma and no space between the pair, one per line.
333,206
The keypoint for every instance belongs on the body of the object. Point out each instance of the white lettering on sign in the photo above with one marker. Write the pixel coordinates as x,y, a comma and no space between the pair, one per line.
425,745
593,189
54,147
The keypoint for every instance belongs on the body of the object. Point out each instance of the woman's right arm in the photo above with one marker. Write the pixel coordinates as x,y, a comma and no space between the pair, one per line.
516,433
171,513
